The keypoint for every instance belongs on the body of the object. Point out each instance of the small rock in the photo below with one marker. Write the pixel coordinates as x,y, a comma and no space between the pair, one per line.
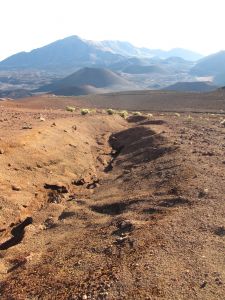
223,122
49,223
84,297
2,151
16,188
208,153
78,182
58,187
203,285
203,193
125,225
27,126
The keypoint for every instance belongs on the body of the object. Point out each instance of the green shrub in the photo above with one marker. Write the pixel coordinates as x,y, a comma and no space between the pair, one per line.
137,113
123,114
189,118
85,111
70,108
110,111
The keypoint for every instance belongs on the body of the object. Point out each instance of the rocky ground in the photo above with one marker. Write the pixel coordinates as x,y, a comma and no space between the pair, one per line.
98,207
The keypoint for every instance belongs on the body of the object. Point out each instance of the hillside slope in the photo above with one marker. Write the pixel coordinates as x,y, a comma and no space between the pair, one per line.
63,55
96,77
98,207
212,65
191,87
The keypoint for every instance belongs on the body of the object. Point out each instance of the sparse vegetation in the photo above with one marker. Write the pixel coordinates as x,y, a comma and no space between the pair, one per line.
110,111
70,108
137,113
189,118
123,113
85,111
222,122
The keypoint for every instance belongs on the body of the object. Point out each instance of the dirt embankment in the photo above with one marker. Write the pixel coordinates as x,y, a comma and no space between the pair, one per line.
95,207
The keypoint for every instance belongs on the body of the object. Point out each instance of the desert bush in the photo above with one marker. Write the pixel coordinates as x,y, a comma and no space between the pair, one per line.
110,111
70,108
150,115
123,114
85,111
137,113
189,118
222,122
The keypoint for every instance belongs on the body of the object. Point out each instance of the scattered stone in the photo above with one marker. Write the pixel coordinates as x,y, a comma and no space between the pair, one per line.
84,297
49,223
222,122
53,124
102,160
203,193
121,240
94,184
71,145
208,153
16,188
203,285
79,182
27,126
54,197
125,225
59,187
2,151
220,231
74,127
218,281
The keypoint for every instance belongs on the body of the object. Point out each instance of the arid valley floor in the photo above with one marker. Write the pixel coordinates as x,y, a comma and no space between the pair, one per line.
99,207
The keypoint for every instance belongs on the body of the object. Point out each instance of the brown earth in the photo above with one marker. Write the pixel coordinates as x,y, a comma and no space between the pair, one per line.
137,100
98,207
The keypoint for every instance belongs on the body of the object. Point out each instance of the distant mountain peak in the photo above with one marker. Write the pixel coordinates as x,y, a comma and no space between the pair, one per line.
73,52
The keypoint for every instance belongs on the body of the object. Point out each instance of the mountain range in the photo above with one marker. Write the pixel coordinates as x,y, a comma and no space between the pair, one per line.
74,66
212,65
71,53
196,86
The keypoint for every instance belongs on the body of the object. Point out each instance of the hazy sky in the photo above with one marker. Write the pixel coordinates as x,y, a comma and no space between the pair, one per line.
193,24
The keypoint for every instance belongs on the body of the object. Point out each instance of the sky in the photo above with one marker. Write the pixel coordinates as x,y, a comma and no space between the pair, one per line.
197,25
